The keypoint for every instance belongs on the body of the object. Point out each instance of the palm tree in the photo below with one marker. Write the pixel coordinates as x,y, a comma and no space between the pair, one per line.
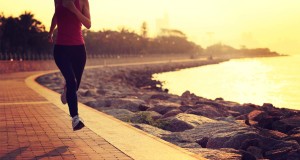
30,29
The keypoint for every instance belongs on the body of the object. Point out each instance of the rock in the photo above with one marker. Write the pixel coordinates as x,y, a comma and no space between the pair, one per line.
160,96
175,99
240,117
230,139
99,103
127,103
279,154
244,109
164,107
176,138
175,125
144,107
255,142
267,105
102,91
89,92
272,134
213,154
144,96
188,145
295,137
227,119
294,131
183,121
202,142
255,151
121,114
85,100
186,95
152,130
193,120
236,114
278,144
210,129
256,115
267,122
287,124
146,117
219,99
247,155
207,111
184,108
172,113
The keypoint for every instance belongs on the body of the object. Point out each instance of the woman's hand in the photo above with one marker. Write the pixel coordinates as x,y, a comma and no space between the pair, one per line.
50,38
84,15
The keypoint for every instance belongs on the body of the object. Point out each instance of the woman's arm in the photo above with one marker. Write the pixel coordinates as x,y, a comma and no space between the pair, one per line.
53,26
83,16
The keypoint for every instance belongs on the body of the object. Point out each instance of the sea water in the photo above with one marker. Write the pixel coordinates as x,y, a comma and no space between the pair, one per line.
273,80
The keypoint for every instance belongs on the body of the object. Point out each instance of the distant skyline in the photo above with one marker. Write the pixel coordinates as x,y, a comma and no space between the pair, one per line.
269,23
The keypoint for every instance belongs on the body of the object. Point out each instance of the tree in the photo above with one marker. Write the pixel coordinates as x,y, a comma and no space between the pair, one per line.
22,36
144,30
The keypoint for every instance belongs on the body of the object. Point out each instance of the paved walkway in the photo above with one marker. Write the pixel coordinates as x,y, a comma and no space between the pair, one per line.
35,125
31,127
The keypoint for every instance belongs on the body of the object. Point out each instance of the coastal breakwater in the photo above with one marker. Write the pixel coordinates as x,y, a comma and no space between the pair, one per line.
217,129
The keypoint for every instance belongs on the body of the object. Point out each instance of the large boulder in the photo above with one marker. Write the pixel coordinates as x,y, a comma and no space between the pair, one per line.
208,111
193,120
287,124
244,109
230,139
209,129
175,125
272,134
172,113
147,117
183,121
256,115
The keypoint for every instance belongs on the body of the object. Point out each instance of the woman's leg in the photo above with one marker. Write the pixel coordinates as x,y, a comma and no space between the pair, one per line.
62,57
78,62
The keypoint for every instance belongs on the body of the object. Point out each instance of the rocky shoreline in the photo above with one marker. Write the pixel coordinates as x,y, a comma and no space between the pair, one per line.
216,129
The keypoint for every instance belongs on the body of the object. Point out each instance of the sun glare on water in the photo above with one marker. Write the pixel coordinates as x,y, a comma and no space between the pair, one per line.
258,81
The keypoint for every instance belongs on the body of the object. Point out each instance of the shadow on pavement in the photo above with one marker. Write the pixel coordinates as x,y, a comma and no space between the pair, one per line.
13,154
55,152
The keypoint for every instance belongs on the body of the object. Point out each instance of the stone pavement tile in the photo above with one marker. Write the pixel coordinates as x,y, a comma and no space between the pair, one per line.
47,133
33,128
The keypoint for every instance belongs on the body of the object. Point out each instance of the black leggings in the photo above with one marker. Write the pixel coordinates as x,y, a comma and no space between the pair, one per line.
71,61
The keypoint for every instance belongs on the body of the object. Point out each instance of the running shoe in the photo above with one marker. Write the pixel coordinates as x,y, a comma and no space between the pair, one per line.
77,123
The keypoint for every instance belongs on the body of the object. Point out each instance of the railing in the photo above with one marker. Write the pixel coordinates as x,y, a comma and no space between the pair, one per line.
39,63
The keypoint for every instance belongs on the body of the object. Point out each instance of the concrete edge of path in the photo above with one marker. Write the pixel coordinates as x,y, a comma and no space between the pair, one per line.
134,142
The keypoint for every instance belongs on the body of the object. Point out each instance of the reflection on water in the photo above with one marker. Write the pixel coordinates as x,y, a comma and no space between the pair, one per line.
258,81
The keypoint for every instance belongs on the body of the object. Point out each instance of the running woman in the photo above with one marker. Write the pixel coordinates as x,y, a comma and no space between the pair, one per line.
69,49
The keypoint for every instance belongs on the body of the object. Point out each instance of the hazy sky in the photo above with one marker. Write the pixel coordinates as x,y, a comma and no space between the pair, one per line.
254,23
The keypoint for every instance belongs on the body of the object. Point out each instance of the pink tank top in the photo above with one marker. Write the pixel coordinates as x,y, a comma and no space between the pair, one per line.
68,26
